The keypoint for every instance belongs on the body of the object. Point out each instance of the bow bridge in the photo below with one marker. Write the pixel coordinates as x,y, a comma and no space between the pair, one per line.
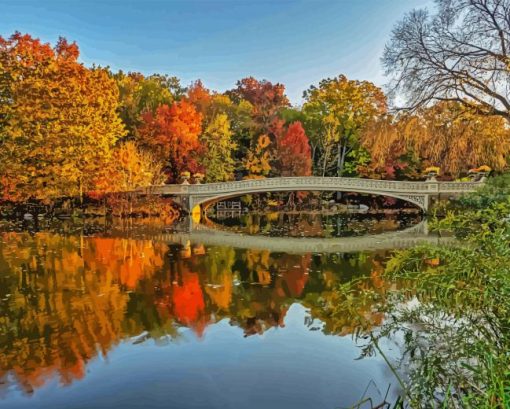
418,193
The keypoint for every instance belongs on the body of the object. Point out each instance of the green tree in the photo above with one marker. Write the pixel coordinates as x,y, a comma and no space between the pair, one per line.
447,307
241,124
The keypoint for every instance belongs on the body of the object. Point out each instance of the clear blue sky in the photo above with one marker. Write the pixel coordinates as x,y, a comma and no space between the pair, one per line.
294,42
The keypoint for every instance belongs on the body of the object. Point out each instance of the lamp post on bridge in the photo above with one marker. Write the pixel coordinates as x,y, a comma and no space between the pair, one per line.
185,176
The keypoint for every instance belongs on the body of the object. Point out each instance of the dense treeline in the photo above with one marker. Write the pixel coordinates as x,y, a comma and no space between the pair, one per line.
67,130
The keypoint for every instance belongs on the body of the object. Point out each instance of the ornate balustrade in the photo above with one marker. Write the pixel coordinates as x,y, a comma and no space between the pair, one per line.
415,192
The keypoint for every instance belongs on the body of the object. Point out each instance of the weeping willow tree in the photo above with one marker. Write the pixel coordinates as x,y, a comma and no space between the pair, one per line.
446,135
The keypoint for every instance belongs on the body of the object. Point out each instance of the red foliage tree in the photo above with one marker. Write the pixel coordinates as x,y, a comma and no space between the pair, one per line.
173,133
293,153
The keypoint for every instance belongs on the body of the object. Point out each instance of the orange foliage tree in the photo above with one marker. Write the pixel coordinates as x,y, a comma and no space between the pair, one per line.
390,157
200,97
173,132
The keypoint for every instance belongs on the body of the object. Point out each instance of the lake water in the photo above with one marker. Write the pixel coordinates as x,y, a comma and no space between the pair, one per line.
138,316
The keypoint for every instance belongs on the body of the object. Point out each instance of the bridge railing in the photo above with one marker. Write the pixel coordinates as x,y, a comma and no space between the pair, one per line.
311,182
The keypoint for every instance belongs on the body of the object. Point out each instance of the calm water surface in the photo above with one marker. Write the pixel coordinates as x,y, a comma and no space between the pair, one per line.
106,317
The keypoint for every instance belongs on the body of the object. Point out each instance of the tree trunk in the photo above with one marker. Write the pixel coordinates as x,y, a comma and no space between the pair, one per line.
325,159
314,149
290,202
341,160
81,193
339,164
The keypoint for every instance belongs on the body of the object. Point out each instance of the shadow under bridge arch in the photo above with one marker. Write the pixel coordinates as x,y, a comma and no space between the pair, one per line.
205,203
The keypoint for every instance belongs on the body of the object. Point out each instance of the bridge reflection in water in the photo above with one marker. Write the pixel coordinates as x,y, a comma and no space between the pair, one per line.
215,236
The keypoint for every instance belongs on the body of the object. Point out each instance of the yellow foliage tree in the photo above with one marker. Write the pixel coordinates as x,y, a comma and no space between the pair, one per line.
258,162
217,140
129,169
340,108
58,120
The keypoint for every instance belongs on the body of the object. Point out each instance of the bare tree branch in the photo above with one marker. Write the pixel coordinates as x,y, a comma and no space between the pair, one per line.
458,54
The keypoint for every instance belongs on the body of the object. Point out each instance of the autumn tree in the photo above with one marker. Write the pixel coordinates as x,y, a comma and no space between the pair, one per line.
446,135
258,161
390,155
340,108
159,89
239,113
314,130
173,133
218,148
200,97
242,125
58,119
460,53
128,107
139,94
129,168
266,99
293,154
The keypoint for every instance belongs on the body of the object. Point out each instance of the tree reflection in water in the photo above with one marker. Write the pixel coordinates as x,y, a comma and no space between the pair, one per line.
315,224
65,299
